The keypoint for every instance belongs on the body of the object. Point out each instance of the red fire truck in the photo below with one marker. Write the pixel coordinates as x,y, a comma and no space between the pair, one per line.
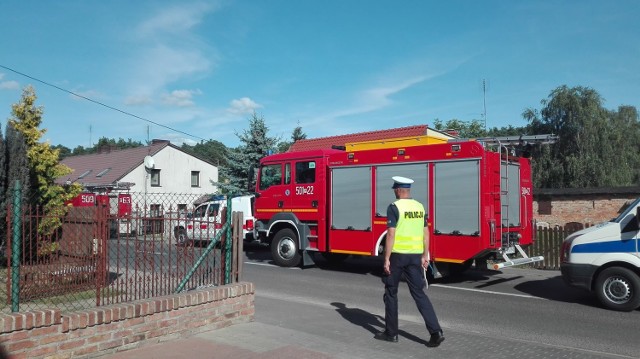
478,195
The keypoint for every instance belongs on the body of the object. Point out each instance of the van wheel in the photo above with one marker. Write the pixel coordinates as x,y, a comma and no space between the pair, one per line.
284,248
618,288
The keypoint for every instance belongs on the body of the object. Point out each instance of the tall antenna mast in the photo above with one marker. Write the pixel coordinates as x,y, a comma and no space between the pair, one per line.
90,136
484,102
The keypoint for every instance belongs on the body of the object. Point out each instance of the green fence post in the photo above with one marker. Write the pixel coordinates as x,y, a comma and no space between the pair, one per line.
15,249
227,252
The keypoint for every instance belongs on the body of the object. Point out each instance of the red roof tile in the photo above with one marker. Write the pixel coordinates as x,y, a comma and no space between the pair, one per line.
327,142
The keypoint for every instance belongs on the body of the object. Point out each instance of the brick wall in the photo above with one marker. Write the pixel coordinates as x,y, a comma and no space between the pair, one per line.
108,329
589,209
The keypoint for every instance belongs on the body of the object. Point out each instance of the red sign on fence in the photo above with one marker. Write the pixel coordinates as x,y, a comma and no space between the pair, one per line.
103,200
124,205
83,200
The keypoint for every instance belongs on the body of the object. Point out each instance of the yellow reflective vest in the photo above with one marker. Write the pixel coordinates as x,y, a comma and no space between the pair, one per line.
410,227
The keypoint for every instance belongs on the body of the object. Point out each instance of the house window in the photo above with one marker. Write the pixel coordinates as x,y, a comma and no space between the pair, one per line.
544,206
155,178
195,178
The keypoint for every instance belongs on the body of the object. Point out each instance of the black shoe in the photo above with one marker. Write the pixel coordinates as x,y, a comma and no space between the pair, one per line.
386,337
436,339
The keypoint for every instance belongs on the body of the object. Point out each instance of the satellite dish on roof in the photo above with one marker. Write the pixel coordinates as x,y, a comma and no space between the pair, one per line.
149,163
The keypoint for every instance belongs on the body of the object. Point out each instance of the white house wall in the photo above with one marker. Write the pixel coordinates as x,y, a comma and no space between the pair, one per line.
175,175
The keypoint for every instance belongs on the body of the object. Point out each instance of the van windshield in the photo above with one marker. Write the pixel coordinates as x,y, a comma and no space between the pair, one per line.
631,207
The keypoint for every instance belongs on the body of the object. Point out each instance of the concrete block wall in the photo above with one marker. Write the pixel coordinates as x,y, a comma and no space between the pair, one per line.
91,333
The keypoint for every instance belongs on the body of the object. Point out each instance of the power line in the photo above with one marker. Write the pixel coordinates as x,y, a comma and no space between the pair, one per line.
99,103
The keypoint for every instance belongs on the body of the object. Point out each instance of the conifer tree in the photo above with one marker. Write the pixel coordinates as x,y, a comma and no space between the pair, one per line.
296,135
255,144
3,197
17,165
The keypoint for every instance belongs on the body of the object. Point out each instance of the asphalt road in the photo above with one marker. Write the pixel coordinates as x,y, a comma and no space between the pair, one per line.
515,312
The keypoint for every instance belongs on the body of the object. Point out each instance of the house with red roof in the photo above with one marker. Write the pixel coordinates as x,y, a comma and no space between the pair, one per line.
160,168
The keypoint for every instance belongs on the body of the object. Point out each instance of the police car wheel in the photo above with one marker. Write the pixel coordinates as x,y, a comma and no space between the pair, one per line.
618,288
284,248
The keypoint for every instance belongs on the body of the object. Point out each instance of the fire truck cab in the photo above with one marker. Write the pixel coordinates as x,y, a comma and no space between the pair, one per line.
334,202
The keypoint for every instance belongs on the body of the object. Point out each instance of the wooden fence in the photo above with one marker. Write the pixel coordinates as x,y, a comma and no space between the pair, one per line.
548,242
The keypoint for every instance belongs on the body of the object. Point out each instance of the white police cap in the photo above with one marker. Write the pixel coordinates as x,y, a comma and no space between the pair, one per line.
401,182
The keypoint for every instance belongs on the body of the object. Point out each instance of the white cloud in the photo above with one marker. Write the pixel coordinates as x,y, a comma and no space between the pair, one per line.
173,20
8,85
180,98
243,106
167,50
137,100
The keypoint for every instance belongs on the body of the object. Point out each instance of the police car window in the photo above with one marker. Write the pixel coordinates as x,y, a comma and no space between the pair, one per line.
270,175
306,172
213,209
199,212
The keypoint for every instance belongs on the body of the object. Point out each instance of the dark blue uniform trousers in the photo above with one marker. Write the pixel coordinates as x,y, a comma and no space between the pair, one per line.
411,266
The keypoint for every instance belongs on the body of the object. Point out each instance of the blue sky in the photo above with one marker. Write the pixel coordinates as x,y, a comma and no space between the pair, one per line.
332,67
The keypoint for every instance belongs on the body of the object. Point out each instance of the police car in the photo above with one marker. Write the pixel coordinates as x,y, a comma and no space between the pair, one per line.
605,259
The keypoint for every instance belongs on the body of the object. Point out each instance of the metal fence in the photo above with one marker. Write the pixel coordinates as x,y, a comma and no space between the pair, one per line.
123,250
102,254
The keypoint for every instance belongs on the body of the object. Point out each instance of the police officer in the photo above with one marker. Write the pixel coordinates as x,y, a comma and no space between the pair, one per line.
407,251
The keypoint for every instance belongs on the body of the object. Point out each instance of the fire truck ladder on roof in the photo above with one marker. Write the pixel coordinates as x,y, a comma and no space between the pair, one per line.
511,141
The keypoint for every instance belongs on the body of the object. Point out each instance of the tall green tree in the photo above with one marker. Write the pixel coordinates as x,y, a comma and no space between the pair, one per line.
211,150
296,135
475,129
44,163
465,129
255,144
17,170
63,151
17,164
3,198
596,147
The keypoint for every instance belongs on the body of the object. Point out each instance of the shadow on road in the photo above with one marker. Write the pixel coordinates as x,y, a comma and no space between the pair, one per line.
555,289
371,323
354,264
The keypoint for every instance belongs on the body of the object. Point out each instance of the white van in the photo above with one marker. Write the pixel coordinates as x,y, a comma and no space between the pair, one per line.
605,259
205,221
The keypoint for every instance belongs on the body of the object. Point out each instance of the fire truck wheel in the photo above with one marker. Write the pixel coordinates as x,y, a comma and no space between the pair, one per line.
284,248
618,288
